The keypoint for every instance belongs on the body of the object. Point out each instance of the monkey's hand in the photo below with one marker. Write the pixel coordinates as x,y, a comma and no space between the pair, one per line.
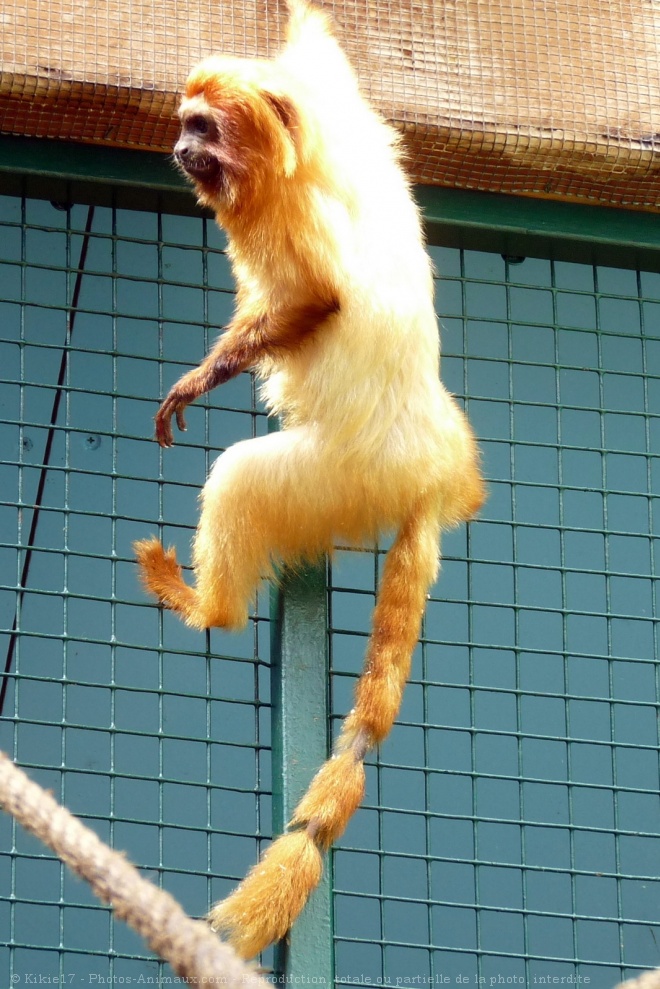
223,363
172,406
250,337
185,391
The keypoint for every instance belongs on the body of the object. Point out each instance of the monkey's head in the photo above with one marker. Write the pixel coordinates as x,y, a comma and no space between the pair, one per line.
238,132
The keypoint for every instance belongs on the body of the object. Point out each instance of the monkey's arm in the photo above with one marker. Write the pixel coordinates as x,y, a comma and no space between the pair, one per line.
247,339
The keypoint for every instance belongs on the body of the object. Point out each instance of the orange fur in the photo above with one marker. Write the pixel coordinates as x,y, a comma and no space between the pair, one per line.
269,899
161,575
335,312
333,796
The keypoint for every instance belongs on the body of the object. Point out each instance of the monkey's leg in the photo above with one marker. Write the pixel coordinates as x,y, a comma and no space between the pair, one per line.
266,500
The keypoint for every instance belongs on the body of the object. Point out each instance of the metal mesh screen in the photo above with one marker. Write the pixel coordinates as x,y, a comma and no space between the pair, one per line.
511,828
550,99
155,736
510,831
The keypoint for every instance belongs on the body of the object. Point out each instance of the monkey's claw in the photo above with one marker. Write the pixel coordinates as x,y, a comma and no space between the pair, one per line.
170,407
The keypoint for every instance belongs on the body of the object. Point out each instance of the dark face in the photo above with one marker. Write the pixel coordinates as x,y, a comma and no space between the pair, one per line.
235,144
194,151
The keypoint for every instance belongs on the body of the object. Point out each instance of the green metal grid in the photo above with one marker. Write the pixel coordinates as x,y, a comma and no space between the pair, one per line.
156,736
511,830
511,823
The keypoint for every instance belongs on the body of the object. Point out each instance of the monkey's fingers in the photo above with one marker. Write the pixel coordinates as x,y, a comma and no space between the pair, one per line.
164,435
172,406
180,419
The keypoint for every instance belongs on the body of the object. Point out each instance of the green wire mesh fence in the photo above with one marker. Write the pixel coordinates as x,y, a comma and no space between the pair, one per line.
108,702
510,830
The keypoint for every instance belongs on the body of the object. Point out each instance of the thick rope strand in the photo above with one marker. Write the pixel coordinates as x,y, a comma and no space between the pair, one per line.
192,950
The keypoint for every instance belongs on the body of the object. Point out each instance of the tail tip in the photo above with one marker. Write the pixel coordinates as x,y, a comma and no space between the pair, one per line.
264,906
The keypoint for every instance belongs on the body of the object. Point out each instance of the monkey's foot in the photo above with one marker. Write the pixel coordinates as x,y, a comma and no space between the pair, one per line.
162,576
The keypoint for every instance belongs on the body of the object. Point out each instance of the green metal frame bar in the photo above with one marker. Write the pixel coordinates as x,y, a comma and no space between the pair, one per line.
300,705
513,225
526,227
65,172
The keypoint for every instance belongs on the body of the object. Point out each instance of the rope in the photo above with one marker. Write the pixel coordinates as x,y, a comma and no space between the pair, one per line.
188,945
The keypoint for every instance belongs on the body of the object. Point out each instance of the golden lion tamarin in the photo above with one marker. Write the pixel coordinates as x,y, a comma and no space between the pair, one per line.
335,312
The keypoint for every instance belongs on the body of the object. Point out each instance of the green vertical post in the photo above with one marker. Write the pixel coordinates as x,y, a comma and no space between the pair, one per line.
300,701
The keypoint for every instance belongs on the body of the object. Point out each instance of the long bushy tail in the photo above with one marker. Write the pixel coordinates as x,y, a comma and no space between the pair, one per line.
266,903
